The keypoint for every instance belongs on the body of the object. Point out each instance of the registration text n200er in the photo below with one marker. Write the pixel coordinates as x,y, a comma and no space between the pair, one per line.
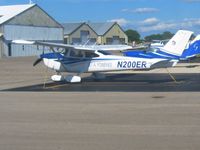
132,64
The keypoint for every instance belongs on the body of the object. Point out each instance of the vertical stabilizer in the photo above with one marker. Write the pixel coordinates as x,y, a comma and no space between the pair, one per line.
177,43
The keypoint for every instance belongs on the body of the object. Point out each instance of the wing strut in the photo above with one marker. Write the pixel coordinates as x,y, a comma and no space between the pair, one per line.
172,77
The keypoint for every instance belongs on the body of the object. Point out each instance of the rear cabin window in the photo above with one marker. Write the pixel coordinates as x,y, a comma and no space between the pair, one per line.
80,54
77,54
90,55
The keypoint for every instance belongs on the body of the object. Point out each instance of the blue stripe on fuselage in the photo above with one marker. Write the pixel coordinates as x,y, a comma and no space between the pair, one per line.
156,54
70,60
192,51
52,56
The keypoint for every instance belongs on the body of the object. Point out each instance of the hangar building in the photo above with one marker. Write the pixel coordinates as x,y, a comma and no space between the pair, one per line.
28,22
78,33
100,33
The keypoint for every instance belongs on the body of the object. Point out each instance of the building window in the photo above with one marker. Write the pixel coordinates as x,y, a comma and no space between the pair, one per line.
85,36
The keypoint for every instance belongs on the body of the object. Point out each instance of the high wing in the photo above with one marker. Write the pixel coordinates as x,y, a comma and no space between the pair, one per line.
105,47
78,47
49,44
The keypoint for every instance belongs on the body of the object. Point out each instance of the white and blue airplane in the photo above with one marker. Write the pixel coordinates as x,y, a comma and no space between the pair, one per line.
96,59
191,50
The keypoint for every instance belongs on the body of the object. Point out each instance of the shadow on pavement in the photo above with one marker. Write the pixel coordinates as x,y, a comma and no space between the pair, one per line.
123,83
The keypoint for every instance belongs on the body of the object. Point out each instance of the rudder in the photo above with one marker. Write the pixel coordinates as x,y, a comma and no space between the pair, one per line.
177,43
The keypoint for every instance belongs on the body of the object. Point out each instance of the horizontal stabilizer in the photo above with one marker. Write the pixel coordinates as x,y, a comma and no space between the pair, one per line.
177,43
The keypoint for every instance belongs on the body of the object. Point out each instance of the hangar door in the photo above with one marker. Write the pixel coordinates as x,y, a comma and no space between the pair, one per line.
17,50
116,40
18,32
84,36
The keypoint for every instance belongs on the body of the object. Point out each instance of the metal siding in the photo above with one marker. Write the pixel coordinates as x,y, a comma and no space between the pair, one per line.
14,32
1,42
5,48
1,48
70,27
26,50
34,16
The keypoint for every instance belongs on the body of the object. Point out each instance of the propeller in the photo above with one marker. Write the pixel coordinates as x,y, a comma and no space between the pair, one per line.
37,61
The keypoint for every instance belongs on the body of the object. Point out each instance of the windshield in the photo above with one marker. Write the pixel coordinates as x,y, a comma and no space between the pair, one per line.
104,52
152,49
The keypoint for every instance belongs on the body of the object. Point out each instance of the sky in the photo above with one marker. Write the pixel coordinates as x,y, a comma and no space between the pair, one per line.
145,16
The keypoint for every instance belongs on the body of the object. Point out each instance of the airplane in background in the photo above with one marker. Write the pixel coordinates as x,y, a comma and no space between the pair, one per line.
158,43
96,59
191,50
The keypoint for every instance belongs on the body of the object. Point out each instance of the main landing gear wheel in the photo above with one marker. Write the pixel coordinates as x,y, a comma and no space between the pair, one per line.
69,78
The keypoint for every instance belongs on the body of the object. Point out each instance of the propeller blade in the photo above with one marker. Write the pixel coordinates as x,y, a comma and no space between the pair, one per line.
37,61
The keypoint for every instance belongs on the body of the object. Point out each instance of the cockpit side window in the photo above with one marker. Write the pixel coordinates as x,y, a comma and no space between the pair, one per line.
72,53
66,52
80,54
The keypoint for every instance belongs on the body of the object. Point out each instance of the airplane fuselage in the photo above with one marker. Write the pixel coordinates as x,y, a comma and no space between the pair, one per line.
104,64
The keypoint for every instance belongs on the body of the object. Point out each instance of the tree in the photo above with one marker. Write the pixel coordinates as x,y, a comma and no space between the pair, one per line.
164,36
152,37
167,35
133,35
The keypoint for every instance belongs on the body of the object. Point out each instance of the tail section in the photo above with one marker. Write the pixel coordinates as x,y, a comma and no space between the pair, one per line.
197,38
177,43
193,49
